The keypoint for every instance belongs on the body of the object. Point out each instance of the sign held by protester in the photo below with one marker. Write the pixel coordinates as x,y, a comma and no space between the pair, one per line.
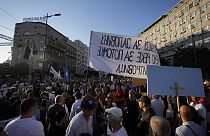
122,55
174,81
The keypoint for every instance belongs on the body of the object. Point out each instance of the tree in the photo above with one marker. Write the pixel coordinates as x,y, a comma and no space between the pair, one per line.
193,57
21,69
164,62
5,70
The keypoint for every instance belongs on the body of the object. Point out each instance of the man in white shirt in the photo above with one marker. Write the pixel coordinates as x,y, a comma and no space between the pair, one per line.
25,125
82,123
115,120
157,105
75,105
188,127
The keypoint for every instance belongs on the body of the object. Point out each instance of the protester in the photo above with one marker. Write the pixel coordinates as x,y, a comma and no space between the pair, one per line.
115,120
119,97
131,113
160,126
145,116
82,123
58,106
188,127
5,108
25,125
76,105
61,123
157,102
2,132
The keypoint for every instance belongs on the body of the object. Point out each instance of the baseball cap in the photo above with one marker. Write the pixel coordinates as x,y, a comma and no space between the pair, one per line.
88,104
114,111
78,95
144,99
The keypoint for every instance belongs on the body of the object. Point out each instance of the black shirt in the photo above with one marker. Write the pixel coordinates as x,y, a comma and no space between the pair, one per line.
53,109
143,125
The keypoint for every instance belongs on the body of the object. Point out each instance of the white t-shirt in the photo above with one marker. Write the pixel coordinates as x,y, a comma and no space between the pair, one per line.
79,125
24,127
74,107
158,106
201,110
120,132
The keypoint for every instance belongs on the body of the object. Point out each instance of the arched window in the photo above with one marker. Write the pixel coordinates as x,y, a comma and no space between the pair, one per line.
26,33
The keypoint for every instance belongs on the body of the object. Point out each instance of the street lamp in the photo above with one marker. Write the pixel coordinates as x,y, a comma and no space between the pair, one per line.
46,25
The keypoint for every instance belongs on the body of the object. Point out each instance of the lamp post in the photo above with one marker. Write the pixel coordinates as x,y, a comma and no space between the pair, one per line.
46,25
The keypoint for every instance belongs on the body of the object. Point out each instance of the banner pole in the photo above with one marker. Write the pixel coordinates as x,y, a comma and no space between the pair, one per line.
88,56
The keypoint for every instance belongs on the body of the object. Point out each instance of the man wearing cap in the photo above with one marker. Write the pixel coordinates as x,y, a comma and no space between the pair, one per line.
147,112
82,123
115,120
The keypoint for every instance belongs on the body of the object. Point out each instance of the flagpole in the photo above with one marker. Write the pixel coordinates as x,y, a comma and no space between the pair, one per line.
88,56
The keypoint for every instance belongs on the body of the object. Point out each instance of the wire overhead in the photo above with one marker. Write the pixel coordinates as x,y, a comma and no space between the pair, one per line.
9,15
6,28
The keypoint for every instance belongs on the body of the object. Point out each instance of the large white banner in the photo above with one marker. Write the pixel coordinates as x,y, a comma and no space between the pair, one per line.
122,55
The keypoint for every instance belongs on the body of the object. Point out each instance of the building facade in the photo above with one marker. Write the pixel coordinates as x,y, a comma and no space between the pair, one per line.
31,47
186,24
82,57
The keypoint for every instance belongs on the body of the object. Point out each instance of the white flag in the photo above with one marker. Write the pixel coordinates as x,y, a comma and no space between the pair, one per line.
54,72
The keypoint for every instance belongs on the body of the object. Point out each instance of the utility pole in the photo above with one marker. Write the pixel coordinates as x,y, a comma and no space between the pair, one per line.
44,53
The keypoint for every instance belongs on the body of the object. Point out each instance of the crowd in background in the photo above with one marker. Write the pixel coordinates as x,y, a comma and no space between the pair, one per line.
98,107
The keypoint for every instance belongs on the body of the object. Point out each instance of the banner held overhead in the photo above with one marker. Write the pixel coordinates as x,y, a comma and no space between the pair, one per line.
122,55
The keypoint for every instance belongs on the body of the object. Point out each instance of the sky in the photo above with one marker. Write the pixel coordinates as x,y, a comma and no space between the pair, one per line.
79,17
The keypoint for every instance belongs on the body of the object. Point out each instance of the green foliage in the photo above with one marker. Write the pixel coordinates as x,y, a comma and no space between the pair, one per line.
21,69
193,57
18,70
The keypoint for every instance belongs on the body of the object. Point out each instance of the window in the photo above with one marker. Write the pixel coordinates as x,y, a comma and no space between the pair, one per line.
203,8
194,23
192,15
190,5
198,21
208,5
208,16
41,57
40,65
204,18
197,11
196,3
41,48
26,33
184,20
206,40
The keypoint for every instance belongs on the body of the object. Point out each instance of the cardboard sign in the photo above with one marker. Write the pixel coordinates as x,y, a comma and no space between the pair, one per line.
174,81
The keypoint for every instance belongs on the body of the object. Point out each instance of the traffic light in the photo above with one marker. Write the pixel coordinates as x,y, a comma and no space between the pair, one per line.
27,53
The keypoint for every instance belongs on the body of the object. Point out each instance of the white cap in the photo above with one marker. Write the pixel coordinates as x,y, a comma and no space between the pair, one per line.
114,111
49,88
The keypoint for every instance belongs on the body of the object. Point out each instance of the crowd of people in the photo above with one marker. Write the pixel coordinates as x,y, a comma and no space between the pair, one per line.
97,107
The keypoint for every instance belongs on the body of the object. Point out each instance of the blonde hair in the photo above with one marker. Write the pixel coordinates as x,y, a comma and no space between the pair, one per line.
160,126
